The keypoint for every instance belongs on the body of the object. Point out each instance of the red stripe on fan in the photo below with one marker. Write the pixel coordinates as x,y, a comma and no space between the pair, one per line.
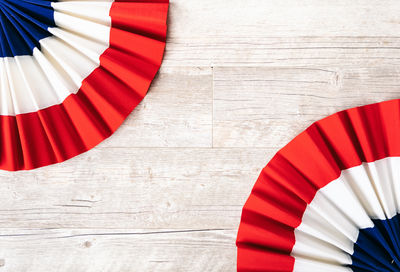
146,19
257,260
105,99
291,179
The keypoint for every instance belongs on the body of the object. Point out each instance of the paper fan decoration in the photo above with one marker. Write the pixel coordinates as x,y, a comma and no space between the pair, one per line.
71,72
329,200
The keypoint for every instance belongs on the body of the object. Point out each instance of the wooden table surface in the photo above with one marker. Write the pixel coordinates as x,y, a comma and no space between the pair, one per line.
240,79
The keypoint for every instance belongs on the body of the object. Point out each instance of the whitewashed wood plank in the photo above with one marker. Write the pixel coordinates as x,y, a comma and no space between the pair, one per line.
212,33
284,18
297,51
134,188
122,250
267,107
177,112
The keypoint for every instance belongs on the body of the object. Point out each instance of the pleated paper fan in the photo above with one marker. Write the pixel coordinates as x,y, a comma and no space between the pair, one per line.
71,72
329,201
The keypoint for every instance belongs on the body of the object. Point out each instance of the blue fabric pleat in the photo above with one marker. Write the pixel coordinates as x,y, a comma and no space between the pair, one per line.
377,249
23,23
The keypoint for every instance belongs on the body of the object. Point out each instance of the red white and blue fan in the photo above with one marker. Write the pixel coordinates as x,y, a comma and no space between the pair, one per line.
329,200
71,72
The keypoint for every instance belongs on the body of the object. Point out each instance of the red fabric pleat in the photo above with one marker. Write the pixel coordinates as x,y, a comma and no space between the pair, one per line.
146,19
107,96
309,162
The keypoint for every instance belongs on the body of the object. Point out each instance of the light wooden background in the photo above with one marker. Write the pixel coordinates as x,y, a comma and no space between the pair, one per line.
239,80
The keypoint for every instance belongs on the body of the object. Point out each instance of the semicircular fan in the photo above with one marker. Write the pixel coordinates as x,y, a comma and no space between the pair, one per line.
71,72
329,200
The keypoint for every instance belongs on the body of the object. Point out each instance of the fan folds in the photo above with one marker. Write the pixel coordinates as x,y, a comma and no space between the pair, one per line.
329,200
71,72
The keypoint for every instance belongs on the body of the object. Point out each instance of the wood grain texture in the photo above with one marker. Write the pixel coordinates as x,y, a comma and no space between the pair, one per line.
165,192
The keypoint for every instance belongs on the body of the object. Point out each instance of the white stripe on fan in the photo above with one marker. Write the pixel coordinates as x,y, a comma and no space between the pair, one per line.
306,265
90,10
331,223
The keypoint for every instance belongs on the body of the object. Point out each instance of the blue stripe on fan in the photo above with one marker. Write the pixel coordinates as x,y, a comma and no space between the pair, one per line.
377,249
23,23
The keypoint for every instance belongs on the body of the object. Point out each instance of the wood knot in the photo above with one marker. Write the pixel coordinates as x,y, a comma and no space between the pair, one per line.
87,244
